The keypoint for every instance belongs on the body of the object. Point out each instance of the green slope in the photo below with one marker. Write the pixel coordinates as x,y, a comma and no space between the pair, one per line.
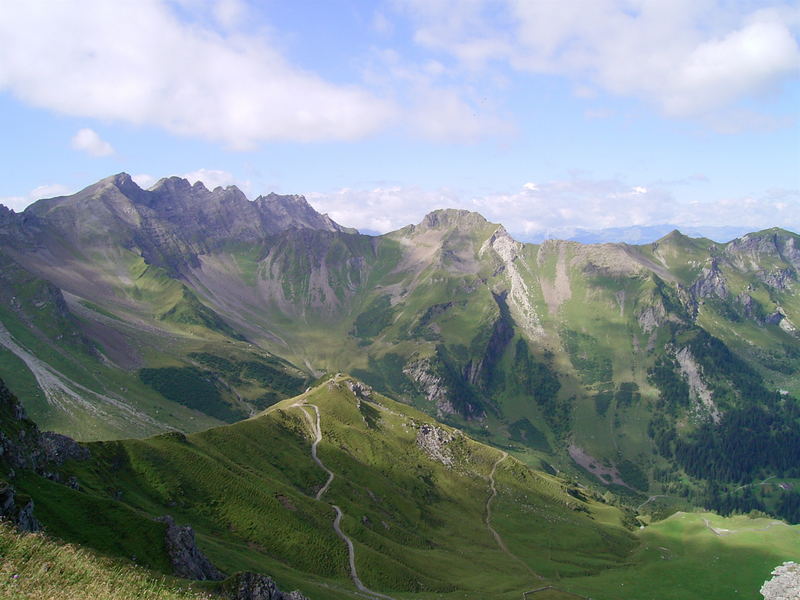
421,516
537,348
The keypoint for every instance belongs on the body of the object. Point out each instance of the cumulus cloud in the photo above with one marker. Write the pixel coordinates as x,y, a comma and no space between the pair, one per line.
138,62
87,140
382,209
437,105
213,178
144,180
48,190
559,208
686,57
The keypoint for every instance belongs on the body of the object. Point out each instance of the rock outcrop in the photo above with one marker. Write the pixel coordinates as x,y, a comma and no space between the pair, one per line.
360,390
432,386
60,448
433,441
711,283
700,392
254,586
186,558
23,446
785,583
18,511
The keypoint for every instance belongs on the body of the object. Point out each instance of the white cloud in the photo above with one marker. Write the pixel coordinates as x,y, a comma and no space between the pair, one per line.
560,207
229,13
381,24
143,180
211,178
437,105
49,190
188,79
381,209
87,140
687,57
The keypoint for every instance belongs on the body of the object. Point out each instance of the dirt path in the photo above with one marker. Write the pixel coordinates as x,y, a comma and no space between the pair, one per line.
315,427
488,518
337,521
650,499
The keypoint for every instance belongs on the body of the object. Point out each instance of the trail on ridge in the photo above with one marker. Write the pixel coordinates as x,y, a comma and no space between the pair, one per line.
317,429
488,518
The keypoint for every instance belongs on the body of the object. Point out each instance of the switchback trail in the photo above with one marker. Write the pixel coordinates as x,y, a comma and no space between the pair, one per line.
488,518
351,551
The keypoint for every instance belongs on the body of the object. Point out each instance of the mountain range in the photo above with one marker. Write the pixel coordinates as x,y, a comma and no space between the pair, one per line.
593,388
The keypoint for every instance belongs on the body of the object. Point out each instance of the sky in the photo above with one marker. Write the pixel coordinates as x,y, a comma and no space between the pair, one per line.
542,115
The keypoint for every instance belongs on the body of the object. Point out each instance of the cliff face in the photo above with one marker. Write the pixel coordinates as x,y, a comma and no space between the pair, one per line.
24,448
172,223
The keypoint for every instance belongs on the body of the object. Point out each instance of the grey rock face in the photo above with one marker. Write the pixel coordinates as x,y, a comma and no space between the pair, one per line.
432,385
186,558
710,283
254,586
18,513
60,448
174,221
781,279
360,390
23,446
785,583
433,441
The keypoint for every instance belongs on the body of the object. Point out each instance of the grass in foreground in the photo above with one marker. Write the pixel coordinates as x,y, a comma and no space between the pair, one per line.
37,567
698,555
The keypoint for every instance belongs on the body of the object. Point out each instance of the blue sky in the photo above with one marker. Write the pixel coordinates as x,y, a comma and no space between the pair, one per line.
542,115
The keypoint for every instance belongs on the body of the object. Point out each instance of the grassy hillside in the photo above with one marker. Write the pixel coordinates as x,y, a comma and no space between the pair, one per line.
416,523
627,367
36,567
430,512
722,558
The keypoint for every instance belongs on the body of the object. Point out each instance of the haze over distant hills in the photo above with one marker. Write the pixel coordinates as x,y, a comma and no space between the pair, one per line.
638,234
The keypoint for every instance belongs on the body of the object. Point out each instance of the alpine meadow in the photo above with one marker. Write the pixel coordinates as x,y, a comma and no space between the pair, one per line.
400,300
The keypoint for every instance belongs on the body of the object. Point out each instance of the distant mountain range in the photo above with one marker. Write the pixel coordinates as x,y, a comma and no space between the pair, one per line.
661,374
637,234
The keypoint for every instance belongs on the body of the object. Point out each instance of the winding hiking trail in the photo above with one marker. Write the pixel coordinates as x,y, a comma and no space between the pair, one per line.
315,427
351,551
488,518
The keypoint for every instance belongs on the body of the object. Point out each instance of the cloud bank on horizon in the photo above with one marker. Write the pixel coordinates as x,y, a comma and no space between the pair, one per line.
418,95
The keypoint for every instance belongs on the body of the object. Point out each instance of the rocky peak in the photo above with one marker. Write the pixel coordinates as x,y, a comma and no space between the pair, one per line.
447,218
673,237
125,183
750,250
285,211
174,185
6,214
